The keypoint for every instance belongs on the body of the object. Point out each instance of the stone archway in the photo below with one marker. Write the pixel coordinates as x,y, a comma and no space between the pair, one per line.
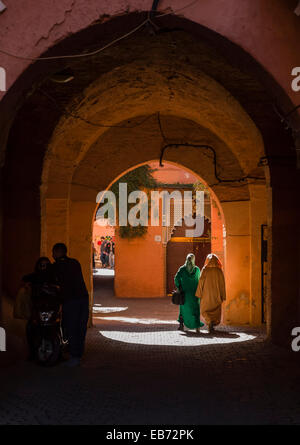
148,255
211,115
197,110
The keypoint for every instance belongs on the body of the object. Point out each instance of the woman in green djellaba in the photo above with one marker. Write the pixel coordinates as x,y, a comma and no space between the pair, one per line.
187,279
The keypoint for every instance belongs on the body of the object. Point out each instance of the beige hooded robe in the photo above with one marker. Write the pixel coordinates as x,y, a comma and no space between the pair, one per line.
211,290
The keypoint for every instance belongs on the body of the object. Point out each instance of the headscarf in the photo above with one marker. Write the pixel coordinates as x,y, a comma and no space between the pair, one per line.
40,263
212,261
190,262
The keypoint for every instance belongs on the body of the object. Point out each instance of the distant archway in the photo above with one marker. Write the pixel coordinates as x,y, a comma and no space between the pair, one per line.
149,252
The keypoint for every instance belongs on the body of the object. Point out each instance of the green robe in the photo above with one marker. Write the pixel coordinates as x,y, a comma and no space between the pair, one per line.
190,310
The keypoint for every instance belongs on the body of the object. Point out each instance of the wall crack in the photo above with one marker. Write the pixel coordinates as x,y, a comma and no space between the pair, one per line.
66,13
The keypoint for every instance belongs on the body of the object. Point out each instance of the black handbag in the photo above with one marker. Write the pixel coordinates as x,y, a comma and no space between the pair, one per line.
178,296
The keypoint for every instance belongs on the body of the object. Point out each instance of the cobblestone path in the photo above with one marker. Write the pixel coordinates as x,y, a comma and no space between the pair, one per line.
138,369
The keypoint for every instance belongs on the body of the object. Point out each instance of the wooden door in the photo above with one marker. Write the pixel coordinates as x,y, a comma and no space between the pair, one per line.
180,246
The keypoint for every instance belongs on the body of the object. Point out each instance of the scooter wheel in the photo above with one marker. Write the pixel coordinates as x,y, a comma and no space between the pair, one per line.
48,351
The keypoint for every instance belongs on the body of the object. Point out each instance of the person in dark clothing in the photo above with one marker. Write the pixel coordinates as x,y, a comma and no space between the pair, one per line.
103,251
112,255
75,301
40,282
107,252
41,272
94,251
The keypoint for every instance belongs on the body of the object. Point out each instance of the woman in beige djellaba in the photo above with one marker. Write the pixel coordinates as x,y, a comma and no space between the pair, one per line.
211,291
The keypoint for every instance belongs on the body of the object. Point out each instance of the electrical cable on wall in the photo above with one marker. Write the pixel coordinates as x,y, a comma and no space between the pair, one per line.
284,117
165,146
220,180
76,56
93,53
243,179
134,30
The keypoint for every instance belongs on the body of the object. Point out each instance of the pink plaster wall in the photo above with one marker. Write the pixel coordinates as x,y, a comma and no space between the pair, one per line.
140,266
266,29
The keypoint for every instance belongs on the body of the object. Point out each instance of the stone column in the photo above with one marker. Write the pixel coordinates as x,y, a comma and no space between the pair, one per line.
258,216
237,262
217,241
55,224
284,217
80,239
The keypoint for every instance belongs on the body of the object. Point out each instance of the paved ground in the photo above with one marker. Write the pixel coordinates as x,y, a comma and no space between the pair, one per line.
138,369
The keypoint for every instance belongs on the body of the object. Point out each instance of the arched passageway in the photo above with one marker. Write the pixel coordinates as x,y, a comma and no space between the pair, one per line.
242,265
171,91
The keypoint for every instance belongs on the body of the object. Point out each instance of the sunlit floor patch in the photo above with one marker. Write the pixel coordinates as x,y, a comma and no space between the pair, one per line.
176,338
98,309
134,320
103,272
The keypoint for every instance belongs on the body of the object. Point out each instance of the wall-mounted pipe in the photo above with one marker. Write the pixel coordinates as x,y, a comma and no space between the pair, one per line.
154,7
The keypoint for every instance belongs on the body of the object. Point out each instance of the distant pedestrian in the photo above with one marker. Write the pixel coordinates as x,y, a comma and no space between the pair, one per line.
102,251
112,255
211,291
94,253
107,252
187,279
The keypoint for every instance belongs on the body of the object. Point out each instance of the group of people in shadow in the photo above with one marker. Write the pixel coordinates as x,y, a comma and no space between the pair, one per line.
61,281
204,292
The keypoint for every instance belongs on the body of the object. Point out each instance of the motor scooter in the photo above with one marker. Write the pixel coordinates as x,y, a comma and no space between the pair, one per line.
48,334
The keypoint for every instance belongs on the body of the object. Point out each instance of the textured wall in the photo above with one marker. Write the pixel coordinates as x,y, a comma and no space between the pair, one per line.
29,28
